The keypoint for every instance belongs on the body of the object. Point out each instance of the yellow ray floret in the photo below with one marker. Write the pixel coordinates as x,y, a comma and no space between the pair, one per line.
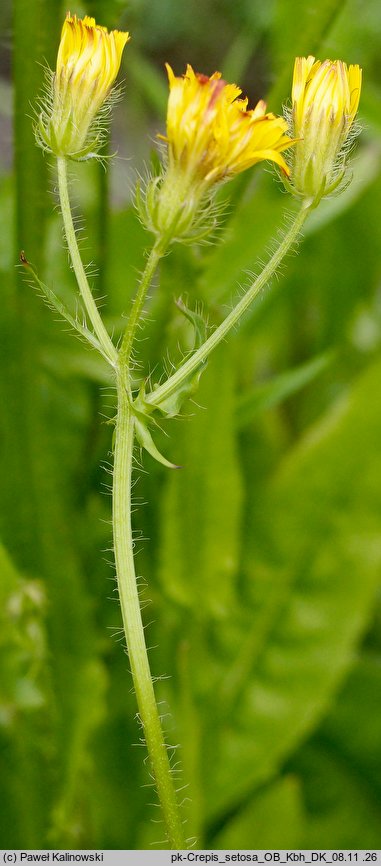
88,62
210,132
325,99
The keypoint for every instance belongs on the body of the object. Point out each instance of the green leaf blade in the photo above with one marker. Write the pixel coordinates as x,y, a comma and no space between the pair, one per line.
317,546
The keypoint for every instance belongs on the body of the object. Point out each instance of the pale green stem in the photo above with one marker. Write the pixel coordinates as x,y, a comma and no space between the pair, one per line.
168,388
134,318
132,620
122,532
109,350
124,441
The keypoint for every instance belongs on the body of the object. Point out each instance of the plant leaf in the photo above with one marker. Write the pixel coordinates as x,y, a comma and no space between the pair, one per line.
313,554
145,440
270,394
254,826
202,508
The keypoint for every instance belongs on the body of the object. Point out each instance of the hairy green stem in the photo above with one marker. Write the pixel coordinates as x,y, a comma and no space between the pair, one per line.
122,475
122,532
168,388
132,620
109,350
133,320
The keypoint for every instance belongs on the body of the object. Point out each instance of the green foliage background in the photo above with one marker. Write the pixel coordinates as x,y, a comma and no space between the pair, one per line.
264,551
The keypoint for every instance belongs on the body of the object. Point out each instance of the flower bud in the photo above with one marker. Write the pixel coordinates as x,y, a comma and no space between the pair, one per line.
325,98
88,62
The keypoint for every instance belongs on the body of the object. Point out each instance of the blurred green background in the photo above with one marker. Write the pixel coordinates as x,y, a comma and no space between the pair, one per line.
263,555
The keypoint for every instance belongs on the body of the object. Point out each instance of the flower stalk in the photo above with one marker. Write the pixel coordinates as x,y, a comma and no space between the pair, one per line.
109,350
158,250
174,382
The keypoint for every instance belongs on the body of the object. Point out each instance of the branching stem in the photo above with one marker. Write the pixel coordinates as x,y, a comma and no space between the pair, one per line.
122,532
123,457
170,386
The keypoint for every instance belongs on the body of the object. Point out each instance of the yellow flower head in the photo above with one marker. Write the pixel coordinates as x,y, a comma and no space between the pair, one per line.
88,62
325,98
211,136
210,132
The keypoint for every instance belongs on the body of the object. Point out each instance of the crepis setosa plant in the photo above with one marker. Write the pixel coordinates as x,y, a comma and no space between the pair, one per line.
211,135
